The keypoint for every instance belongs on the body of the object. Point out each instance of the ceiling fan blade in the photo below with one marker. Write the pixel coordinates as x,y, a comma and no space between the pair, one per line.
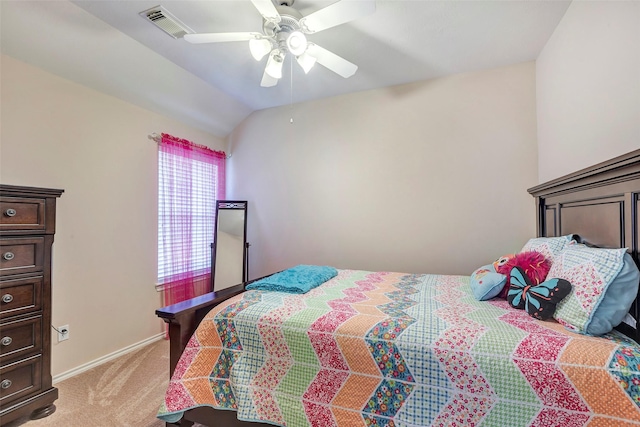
330,60
267,9
336,14
220,37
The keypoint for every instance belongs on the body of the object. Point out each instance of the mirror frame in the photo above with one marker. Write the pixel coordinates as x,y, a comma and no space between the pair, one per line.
230,205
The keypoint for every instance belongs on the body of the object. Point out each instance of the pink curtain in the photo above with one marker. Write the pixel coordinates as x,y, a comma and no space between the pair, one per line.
191,178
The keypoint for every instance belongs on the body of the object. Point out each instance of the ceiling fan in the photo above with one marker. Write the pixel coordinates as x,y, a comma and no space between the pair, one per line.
283,32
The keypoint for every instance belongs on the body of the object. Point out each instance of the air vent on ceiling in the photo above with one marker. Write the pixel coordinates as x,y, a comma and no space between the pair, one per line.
163,19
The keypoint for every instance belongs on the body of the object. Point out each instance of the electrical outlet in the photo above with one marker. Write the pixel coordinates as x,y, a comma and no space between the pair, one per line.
63,333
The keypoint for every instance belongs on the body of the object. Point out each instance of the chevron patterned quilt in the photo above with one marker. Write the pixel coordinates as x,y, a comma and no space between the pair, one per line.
392,349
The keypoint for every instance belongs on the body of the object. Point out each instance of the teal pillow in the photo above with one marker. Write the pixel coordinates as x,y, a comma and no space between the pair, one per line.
617,300
605,283
486,283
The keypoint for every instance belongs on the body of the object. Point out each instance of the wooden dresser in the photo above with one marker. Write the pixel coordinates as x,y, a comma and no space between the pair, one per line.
27,226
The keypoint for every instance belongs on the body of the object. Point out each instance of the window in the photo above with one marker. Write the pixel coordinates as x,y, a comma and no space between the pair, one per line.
190,180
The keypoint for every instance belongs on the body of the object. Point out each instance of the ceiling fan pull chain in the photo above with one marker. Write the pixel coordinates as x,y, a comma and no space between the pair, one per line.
291,88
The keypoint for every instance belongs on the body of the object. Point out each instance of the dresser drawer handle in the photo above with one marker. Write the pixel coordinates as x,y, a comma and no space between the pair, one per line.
6,341
8,256
5,384
10,212
7,298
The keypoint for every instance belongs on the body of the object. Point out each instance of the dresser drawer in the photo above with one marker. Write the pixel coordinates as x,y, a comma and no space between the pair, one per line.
20,296
19,379
20,337
21,255
17,213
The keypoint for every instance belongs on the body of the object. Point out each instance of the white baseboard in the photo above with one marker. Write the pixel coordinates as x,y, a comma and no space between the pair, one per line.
104,359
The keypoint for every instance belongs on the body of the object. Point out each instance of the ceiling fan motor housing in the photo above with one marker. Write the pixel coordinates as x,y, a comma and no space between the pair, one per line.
289,21
287,33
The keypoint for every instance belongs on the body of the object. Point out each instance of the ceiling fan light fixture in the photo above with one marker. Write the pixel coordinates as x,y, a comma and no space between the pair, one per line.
296,43
268,81
259,48
274,64
306,61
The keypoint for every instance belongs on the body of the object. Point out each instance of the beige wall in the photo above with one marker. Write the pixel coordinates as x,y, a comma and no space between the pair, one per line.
425,177
588,87
58,134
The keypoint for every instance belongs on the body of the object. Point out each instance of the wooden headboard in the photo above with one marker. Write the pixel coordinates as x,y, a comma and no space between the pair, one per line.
600,204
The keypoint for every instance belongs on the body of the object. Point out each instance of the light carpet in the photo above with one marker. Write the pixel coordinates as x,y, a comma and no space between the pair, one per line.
123,392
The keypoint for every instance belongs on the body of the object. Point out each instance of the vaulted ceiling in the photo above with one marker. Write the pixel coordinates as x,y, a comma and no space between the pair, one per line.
107,45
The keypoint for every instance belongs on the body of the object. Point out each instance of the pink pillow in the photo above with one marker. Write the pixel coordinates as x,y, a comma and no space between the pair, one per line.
533,263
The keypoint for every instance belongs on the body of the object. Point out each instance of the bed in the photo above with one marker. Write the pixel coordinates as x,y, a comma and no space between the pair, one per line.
396,349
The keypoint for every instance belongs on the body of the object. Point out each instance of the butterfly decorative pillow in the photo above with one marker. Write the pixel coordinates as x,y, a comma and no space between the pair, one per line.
539,300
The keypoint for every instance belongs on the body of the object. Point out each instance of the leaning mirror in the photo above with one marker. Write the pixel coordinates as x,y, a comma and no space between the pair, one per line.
229,250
